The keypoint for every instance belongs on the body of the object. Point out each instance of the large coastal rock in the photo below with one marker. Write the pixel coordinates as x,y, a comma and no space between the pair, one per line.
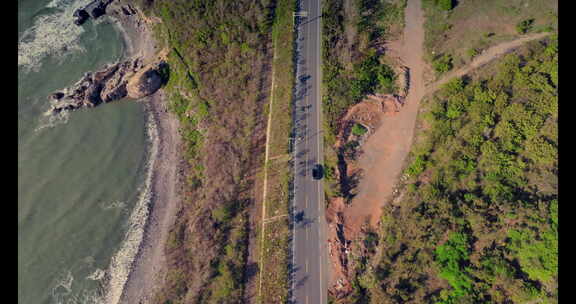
106,85
144,83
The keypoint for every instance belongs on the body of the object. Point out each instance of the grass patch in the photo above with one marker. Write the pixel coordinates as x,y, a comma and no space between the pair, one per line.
275,245
359,129
275,276
479,24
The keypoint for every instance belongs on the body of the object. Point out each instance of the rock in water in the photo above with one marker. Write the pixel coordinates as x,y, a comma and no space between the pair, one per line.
96,9
80,16
144,83
57,96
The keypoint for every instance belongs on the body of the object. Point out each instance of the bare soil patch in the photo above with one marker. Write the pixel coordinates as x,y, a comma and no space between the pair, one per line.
384,151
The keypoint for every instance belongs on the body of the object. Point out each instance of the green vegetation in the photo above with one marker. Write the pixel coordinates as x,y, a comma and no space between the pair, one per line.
352,68
442,63
217,87
456,27
452,258
444,4
477,217
275,245
347,82
472,52
358,130
371,76
524,26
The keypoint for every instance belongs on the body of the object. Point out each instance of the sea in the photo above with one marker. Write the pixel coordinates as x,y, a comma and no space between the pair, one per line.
83,176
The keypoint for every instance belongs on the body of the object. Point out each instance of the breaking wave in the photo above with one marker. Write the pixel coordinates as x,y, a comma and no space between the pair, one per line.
113,205
51,35
97,275
121,263
50,120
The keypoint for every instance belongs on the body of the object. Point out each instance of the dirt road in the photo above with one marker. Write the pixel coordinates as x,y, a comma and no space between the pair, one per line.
386,149
486,56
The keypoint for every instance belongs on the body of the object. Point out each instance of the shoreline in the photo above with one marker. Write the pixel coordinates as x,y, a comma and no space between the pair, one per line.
160,197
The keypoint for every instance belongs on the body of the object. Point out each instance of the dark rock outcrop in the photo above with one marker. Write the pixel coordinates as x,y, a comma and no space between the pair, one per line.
80,16
57,96
92,89
126,79
94,9
144,83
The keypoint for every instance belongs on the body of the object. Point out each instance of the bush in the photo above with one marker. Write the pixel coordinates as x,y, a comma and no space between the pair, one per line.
472,53
451,257
442,63
371,76
417,166
524,26
359,129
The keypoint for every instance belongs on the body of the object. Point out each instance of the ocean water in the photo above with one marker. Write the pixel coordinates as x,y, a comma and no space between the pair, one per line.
82,176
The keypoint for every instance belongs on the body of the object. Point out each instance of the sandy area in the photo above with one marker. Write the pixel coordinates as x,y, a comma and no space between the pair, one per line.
386,150
148,267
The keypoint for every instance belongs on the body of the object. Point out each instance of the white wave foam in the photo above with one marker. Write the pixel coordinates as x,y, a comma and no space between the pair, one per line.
57,3
113,205
122,261
114,279
97,275
63,286
50,120
53,34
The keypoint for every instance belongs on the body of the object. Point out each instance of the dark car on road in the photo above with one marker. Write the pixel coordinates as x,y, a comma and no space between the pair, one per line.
317,171
299,216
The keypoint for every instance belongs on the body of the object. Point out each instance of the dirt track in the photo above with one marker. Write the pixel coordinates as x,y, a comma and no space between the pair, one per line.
486,56
386,149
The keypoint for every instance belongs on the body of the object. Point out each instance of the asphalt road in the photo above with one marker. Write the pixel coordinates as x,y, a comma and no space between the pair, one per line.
309,280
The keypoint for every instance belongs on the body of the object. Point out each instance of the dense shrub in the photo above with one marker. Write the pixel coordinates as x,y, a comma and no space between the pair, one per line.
483,217
524,26
442,63
359,130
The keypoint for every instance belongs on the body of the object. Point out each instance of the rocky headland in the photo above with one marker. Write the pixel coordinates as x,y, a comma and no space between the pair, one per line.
129,78
133,78
138,268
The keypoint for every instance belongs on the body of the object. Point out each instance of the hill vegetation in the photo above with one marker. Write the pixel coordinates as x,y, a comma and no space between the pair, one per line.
456,31
353,62
219,84
476,219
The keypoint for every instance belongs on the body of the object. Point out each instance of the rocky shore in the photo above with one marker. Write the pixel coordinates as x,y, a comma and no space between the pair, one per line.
134,278
126,79
130,78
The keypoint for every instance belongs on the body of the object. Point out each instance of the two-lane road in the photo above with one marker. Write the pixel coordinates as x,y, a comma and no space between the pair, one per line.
309,241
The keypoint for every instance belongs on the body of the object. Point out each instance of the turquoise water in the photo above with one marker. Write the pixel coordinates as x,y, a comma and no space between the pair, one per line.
80,174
